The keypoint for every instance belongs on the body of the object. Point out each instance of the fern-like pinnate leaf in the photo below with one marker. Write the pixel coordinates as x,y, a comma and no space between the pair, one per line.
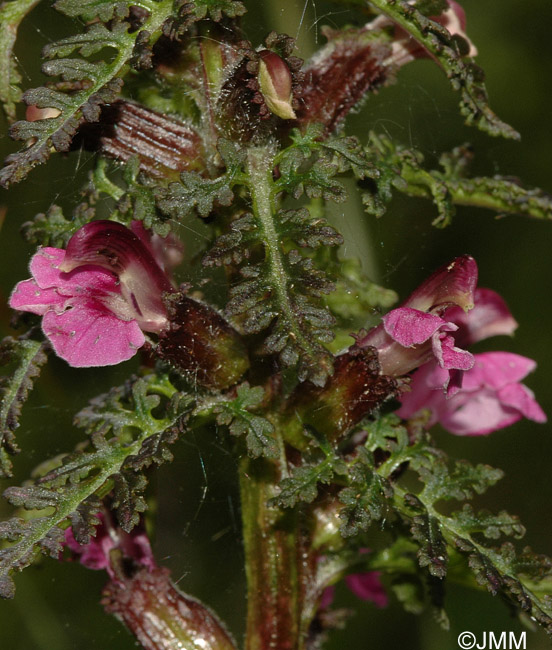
93,83
53,228
281,292
12,13
126,438
195,194
23,359
215,9
464,75
466,531
237,415
375,488
88,10
403,169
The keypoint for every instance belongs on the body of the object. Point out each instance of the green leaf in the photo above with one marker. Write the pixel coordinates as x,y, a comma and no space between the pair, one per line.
192,12
363,505
23,359
194,193
460,482
216,8
236,415
468,523
90,84
202,195
137,201
523,578
426,530
89,9
309,166
299,227
463,74
126,438
12,13
234,246
53,229
366,499
302,485
403,169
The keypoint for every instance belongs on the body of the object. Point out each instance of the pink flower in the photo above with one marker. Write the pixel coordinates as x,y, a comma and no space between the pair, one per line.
98,296
490,396
421,330
366,586
96,554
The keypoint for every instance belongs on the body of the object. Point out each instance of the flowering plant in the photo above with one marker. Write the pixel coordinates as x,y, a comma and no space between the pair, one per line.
206,275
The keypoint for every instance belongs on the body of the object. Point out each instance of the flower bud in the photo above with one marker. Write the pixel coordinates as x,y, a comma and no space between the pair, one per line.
203,346
275,83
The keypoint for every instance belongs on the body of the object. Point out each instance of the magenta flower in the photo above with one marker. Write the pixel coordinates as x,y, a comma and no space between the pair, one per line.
366,586
421,330
96,554
490,396
98,296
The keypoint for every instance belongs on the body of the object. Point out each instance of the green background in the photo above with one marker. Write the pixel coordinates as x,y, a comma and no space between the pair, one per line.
197,510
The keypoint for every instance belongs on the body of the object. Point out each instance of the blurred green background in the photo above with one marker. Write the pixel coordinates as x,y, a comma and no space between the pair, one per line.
197,509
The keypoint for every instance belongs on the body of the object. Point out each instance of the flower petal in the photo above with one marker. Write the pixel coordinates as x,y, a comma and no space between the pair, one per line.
449,356
89,335
367,586
490,398
410,326
480,415
28,296
44,266
522,399
489,317
497,369
453,284
112,246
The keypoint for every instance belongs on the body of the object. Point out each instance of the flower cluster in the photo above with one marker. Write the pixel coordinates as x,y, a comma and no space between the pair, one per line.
491,396
468,394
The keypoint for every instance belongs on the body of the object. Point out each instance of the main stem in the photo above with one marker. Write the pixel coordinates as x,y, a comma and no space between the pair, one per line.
280,565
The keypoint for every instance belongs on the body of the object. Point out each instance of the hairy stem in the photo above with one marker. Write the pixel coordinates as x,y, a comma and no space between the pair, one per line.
280,564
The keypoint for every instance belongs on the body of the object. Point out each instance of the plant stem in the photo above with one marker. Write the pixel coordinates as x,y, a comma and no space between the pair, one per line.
280,564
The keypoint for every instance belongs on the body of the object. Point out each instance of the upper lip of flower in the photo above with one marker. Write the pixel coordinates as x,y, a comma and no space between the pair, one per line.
111,246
